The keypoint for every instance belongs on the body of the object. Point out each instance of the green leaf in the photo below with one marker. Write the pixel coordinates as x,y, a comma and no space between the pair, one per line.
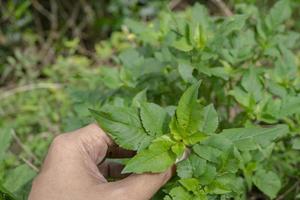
215,148
296,143
185,125
139,98
242,97
186,113
111,77
190,184
157,158
5,140
5,194
154,119
18,177
209,175
280,12
289,106
268,182
232,24
193,166
182,45
210,119
251,138
179,193
252,84
124,126
185,69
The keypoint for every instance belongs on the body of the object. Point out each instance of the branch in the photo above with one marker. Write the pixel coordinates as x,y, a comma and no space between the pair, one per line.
26,88
30,164
41,9
173,4
26,150
223,7
282,196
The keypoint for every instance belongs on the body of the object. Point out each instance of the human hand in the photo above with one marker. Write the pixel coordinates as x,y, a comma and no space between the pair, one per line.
70,171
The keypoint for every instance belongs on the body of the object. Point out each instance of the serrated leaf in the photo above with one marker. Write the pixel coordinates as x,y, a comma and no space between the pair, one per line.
190,184
268,182
18,177
185,125
193,166
187,110
124,126
250,138
215,148
209,175
139,98
179,193
154,119
157,158
210,119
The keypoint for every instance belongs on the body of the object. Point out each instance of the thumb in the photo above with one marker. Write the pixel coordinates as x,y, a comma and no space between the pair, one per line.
144,186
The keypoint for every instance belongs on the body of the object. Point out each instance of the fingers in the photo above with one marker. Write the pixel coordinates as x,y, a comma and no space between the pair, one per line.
143,186
99,145
93,141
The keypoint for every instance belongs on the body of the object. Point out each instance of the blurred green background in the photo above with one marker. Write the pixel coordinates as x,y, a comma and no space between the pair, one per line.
51,53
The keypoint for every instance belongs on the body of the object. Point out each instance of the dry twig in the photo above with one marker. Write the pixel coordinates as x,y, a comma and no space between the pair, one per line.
26,88
223,7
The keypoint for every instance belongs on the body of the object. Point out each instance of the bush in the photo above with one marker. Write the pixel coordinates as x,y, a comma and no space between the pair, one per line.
242,129
222,89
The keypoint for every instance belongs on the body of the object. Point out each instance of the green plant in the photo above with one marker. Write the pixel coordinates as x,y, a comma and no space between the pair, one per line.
242,129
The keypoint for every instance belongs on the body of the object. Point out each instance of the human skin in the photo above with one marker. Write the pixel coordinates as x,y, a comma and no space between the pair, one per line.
71,170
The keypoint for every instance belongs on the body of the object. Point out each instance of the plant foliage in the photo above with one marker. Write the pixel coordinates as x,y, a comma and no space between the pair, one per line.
225,89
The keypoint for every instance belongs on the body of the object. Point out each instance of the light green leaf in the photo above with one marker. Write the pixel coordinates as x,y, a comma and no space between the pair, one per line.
188,111
179,193
190,184
157,158
18,177
210,119
154,119
268,182
250,138
124,126
182,45
185,125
